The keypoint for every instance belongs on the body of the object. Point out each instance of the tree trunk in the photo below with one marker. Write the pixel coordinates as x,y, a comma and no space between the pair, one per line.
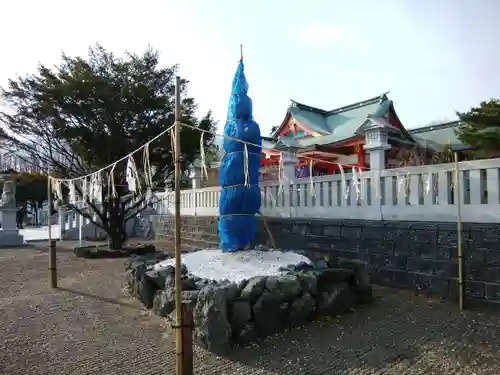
116,225
115,241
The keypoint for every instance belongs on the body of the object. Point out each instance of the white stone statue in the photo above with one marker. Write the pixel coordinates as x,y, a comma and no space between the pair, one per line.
8,199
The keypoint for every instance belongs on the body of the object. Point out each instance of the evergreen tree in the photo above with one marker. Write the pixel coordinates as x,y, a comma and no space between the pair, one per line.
86,113
481,128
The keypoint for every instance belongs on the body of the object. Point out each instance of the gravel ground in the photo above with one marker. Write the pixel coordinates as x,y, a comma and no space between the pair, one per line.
89,327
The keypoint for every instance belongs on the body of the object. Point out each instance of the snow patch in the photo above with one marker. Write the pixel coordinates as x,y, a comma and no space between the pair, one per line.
237,266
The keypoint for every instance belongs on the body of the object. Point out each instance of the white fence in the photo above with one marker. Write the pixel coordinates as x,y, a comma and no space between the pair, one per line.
424,193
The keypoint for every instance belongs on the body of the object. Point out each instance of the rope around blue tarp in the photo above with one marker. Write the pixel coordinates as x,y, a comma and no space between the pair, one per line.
240,193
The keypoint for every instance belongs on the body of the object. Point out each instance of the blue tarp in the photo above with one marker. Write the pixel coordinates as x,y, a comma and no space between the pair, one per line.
240,193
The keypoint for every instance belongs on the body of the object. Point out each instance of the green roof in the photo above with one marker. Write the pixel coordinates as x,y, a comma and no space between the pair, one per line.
438,136
312,120
335,125
341,124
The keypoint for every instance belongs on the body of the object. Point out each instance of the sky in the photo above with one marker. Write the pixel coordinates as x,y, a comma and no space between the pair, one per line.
435,57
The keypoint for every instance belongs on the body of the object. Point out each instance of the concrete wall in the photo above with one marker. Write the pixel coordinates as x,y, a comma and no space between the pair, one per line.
418,255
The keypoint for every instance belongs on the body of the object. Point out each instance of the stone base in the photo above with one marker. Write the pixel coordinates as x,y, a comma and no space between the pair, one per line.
11,238
103,251
227,313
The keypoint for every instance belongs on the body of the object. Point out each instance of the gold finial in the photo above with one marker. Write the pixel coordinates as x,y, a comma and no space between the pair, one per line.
241,51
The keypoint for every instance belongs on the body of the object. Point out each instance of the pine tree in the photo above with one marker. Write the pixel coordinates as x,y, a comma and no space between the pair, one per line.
481,128
86,113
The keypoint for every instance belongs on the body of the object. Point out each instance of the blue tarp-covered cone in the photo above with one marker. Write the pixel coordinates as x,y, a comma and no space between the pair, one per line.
239,171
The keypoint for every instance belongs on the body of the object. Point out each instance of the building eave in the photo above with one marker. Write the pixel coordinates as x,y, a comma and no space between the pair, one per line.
283,123
363,103
428,128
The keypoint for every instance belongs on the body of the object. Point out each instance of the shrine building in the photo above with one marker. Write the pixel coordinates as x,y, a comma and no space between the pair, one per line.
346,135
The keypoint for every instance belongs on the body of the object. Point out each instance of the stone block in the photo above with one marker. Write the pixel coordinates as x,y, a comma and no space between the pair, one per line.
475,289
351,255
442,252
284,227
429,251
424,236
485,233
474,271
310,242
445,268
492,291
372,233
335,298
473,254
11,238
398,224
351,232
332,231
491,274
428,248
290,241
301,310
388,261
451,237
212,327
423,225
412,249
225,313
390,234
381,247
300,229
420,265
492,258
316,229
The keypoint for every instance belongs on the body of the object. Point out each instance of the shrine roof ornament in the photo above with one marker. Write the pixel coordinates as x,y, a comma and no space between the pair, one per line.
374,123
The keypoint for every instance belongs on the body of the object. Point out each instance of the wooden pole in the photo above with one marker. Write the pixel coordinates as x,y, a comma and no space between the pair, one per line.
459,236
52,244
187,338
178,302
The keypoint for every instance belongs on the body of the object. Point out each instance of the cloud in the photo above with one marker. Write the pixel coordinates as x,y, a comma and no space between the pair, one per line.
202,57
321,34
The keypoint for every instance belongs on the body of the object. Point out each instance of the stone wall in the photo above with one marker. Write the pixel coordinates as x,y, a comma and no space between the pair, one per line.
421,256
229,313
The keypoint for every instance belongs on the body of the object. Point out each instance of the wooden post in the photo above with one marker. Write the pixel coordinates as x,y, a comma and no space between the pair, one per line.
178,307
52,243
53,263
187,337
459,237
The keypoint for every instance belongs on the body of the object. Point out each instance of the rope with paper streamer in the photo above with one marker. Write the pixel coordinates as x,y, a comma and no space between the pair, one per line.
85,185
90,185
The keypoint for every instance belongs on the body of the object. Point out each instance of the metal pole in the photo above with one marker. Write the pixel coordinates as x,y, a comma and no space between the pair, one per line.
459,237
178,302
52,244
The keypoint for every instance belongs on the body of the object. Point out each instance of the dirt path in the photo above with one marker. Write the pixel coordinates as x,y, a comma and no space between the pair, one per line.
89,327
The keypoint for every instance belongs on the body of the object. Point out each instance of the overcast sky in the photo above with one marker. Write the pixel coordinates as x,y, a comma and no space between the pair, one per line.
435,57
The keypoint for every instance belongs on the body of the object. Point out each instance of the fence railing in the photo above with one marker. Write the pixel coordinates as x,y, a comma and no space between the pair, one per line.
423,193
